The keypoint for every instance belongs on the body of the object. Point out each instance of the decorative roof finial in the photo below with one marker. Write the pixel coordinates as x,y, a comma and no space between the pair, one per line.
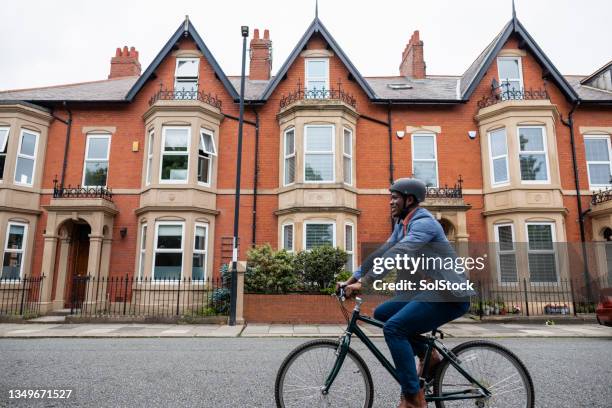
316,8
513,11
186,26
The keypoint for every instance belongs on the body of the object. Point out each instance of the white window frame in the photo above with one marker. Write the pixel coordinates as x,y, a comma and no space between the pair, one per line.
150,146
520,68
609,162
320,222
349,156
492,159
212,154
332,152
553,234
292,225
177,77
173,250
435,139
107,159
21,251
163,153
499,251
352,237
289,156
3,147
307,79
25,156
200,251
544,143
142,253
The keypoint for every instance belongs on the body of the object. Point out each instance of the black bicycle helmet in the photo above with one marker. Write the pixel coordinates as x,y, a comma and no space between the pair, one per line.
410,186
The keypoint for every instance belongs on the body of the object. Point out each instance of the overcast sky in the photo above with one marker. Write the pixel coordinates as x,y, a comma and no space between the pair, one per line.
56,42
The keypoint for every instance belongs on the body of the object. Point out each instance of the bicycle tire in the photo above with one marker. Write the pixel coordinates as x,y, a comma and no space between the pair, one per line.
329,346
459,351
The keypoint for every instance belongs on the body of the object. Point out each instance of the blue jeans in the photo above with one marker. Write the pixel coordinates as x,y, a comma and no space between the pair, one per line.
404,320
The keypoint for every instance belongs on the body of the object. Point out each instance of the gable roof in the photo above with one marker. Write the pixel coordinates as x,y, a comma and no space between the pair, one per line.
317,27
472,77
596,73
185,28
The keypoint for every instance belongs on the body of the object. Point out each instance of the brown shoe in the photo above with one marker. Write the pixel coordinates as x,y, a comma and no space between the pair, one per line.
434,360
413,400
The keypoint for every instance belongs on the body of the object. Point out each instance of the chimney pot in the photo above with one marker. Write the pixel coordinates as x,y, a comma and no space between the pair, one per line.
125,63
266,34
256,34
260,65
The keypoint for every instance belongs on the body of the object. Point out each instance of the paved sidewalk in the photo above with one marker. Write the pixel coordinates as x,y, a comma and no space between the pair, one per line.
480,330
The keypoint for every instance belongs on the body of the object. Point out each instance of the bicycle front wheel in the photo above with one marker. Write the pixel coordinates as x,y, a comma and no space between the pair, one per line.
302,376
494,367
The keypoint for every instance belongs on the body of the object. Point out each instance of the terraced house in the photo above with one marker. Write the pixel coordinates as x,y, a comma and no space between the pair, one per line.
134,175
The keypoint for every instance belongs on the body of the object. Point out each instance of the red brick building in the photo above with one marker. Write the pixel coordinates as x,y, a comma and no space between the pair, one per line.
521,146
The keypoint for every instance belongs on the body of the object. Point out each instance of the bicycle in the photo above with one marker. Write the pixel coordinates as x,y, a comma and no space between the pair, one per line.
476,373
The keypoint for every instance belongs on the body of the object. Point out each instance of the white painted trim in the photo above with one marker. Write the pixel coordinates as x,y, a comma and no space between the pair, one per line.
499,251
21,251
435,160
5,141
349,156
200,251
491,158
553,234
178,78
287,224
288,156
352,252
609,162
520,68
307,79
185,153
142,251
25,156
96,136
544,144
150,149
333,153
320,222
210,158
172,250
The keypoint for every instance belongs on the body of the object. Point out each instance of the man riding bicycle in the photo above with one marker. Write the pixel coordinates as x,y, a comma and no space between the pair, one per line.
416,231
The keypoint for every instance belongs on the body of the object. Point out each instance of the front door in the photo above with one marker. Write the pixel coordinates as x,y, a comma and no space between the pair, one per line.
78,278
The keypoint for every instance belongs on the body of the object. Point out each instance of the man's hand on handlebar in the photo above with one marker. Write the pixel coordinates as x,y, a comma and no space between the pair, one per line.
351,287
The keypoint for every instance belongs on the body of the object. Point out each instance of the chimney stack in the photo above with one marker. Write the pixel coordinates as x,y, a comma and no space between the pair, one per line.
124,63
413,63
260,65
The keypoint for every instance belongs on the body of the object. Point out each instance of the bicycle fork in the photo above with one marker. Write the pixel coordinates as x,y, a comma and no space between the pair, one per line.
341,353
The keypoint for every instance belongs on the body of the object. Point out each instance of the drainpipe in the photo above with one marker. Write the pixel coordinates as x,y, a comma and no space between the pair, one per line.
255,176
570,124
391,178
68,123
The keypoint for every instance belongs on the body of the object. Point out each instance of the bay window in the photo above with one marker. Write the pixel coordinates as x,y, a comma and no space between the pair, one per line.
424,159
319,153
198,268
597,152
4,133
506,253
95,169
498,154
175,154
541,252
289,157
206,151
14,250
169,247
532,154
26,157
319,234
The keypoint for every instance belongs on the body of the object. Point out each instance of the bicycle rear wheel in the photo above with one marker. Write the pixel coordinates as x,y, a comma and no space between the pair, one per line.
302,375
493,366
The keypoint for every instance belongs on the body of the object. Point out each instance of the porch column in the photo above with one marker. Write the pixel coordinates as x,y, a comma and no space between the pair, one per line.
62,270
48,266
105,261
93,271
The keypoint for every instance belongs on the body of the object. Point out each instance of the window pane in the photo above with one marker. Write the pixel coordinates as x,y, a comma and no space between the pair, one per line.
290,170
347,169
168,266
319,167
203,166
3,140
98,148
2,160
95,173
149,169
498,143
207,143
540,237
319,234
174,167
288,237
510,86
533,167
599,173
507,266
319,139
423,147
169,236
289,142
187,67
198,266
11,267
426,172
542,268
348,238
316,68
508,69
143,238
348,147
504,237
500,170
24,170
200,239
531,139
349,263
142,265
15,237
317,86
596,149
28,144
151,138
176,140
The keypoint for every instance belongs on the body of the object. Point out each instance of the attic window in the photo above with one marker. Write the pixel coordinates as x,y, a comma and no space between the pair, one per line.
399,86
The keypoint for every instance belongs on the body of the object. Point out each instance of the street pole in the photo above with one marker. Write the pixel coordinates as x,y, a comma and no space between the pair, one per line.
234,289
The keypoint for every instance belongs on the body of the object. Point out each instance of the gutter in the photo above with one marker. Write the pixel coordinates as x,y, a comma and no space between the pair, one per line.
68,123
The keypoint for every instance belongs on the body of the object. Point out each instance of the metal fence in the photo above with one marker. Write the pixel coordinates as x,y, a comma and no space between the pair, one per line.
20,297
143,297
528,298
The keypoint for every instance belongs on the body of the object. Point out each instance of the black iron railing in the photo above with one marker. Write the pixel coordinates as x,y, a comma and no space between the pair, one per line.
133,296
601,196
317,94
174,95
455,191
504,92
20,297
81,192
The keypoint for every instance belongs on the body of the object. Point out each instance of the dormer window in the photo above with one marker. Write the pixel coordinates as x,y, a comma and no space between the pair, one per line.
317,78
510,74
186,78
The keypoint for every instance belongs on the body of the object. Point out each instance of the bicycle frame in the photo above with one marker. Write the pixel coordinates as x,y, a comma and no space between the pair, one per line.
431,342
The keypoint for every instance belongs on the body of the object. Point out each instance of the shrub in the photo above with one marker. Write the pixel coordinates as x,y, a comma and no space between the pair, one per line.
270,271
320,266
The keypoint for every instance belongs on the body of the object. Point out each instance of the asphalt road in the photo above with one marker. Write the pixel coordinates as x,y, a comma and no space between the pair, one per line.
240,372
